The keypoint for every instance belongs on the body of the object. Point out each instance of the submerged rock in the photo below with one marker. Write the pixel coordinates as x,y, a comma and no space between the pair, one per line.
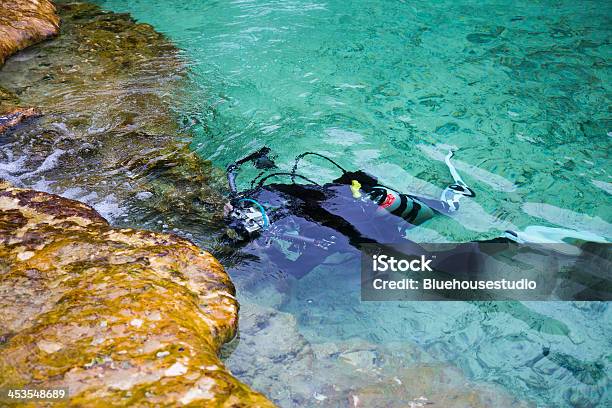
118,316
106,88
15,116
25,22
347,373
11,111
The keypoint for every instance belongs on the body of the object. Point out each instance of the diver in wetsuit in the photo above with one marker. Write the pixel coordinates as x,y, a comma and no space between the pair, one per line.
337,217
296,226
330,204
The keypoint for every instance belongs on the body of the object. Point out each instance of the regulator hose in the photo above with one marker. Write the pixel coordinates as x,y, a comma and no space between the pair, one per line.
301,156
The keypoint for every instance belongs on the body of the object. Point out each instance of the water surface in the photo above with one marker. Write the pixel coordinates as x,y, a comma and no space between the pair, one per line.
522,89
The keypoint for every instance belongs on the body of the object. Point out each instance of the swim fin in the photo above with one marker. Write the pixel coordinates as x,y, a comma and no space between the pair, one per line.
453,193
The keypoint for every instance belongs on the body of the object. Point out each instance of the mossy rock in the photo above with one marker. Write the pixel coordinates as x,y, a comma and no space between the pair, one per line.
106,87
119,316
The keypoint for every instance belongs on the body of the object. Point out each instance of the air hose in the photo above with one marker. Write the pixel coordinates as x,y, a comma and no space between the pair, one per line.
301,156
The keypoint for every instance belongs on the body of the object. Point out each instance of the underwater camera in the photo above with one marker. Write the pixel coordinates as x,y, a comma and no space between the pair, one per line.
245,216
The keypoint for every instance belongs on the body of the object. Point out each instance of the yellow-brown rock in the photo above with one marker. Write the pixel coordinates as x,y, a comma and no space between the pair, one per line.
121,317
25,22
15,116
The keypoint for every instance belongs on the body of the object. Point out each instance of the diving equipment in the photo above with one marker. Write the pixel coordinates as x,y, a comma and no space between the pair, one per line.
414,210
247,216
405,206
453,193
260,160
355,187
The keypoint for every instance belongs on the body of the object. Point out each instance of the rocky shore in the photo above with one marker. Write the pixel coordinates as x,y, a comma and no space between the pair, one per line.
119,316
22,23
107,135
128,317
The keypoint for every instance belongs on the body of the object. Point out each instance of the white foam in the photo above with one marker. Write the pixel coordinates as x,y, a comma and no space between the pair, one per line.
11,179
109,208
16,172
49,163
144,195
89,198
43,185
73,193
13,167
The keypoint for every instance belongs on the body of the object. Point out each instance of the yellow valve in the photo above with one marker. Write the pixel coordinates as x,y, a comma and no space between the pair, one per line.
355,186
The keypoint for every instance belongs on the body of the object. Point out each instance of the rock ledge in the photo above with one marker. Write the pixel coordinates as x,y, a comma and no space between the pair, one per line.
119,316
25,22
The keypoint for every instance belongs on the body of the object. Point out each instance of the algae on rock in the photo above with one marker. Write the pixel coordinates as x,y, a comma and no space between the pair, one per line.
108,135
119,316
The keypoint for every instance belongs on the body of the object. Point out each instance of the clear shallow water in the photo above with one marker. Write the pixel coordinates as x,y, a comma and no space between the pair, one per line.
521,88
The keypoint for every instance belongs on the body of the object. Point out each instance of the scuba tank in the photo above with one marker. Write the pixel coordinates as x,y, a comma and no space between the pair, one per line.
402,205
414,210
407,207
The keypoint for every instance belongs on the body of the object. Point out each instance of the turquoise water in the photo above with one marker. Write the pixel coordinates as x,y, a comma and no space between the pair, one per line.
522,89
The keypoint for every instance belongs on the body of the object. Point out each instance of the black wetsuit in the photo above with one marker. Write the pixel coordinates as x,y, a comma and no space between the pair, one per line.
325,219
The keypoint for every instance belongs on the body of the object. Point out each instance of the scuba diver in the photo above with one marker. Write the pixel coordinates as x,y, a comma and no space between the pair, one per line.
242,211
315,219
298,224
